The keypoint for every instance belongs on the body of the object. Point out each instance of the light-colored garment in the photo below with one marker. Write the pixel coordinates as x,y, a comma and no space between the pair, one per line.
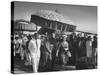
89,48
34,48
65,45
65,53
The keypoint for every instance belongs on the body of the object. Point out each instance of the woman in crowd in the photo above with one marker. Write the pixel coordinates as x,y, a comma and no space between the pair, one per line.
20,49
27,53
24,47
64,51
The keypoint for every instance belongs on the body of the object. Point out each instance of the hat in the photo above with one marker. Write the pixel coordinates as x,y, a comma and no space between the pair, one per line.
64,34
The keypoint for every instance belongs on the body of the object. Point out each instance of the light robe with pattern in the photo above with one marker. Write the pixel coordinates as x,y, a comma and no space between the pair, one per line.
63,52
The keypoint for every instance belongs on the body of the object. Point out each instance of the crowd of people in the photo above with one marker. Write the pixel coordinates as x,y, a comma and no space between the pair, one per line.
44,51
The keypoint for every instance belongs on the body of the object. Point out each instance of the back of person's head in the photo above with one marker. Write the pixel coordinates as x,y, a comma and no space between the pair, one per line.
89,38
78,35
71,36
95,37
35,35
29,37
16,38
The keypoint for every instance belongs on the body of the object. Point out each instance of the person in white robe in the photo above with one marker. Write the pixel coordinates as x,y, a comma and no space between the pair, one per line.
34,48
89,47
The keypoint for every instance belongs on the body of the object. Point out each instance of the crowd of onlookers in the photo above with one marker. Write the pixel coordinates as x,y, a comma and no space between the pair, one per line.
44,51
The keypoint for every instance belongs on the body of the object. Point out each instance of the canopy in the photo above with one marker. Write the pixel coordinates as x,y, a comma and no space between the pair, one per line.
44,30
22,25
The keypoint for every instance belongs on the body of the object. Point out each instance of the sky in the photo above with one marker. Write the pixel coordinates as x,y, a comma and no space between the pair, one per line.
84,17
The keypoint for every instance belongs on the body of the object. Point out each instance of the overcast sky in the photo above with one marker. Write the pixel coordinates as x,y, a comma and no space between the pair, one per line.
84,17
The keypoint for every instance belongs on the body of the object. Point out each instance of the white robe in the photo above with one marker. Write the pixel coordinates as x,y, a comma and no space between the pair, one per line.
34,48
89,48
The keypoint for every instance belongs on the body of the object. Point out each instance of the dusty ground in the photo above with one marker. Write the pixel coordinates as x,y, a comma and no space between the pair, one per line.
20,68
